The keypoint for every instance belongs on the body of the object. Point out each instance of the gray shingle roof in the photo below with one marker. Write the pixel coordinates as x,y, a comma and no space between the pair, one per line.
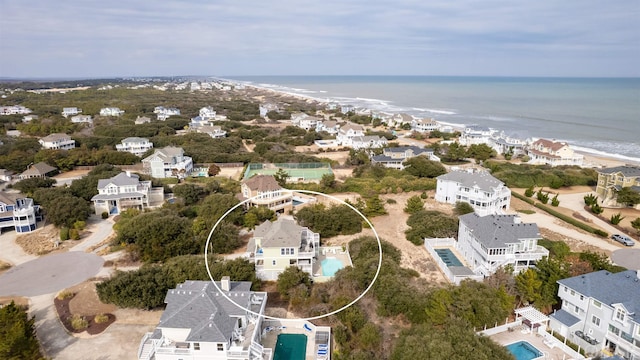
620,288
280,233
496,231
262,183
56,137
415,149
199,306
565,317
627,171
483,180
134,139
39,169
121,179
368,138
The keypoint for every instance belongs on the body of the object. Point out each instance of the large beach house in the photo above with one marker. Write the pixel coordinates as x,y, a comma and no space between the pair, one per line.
167,162
135,145
277,245
486,194
57,141
489,242
125,191
554,153
264,190
394,157
17,213
611,180
601,312
201,322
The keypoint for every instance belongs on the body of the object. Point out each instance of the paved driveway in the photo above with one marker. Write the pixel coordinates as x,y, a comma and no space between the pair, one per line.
629,258
49,274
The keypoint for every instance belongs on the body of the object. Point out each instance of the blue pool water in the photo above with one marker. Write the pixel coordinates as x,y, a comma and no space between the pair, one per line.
448,257
522,350
330,266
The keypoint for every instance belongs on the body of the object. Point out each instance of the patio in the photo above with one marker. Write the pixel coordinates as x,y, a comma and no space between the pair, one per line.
535,339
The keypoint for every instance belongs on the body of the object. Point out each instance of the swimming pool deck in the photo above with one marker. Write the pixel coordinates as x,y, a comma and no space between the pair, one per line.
269,340
327,253
509,337
455,252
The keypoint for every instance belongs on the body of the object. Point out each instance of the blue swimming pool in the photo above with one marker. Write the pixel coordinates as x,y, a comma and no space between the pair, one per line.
522,350
448,257
330,266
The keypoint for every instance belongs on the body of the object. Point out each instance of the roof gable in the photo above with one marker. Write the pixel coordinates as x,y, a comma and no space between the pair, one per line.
280,233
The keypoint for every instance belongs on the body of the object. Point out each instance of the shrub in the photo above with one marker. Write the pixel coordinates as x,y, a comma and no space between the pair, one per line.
555,202
616,218
105,215
74,234
529,192
596,209
79,322
63,295
64,233
101,318
542,197
79,225
462,208
391,201
424,195
590,199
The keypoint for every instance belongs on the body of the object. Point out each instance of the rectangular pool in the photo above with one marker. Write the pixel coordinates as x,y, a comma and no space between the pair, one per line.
523,350
290,347
448,257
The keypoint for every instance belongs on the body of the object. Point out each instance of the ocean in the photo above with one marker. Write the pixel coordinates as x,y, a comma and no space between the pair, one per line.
595,115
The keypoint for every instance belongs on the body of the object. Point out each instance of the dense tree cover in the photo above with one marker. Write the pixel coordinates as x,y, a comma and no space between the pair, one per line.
628,197
276,115
61,207
190,193
430,224
524,175
636,224
257,215
420,166
452,153
330,221
44,127
68,159
146,287
293,279
29,186
226,237
16,154
17,334
480,152
156,236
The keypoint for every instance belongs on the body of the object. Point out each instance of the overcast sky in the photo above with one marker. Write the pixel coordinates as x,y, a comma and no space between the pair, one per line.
99,38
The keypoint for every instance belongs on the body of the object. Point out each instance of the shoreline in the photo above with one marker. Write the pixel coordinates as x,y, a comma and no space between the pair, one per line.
593,158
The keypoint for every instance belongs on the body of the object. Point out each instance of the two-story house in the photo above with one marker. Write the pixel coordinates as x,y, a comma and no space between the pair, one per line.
70,111
164,113
348,132
305,121
424,125
394,157
277,245
57,142
554,153
17,213
611,180
135,145
82,119
264,190
329,126
167,162
368,142
203,322
125,191
347,108
111,111
601,312
505,144
486,194
491,241
475,135
14,109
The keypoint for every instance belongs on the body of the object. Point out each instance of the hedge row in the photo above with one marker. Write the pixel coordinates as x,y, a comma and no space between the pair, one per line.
572,221
523,198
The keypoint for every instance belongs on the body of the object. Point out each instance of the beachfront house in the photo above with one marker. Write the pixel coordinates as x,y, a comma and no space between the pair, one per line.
70,111
424,125
612,180
39,170
125,191
347,132
368,142
601,312
305,121
394,157
265,191
475,135
486,194
329,126
504,144
82,119
17,213
111,111
277,245
201,322
491,241
553,153
168,162
57,141
135,145
347,108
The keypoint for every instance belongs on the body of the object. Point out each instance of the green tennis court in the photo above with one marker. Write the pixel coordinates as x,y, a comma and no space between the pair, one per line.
297,171
291,347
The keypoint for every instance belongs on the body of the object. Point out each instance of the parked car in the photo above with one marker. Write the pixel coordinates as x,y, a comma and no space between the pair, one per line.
624,240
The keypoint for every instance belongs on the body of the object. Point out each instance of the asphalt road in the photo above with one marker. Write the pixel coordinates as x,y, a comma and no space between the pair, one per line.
49,274
629,258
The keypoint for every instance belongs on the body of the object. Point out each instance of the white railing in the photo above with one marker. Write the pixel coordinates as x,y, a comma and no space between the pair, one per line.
456,279
500,328
142,343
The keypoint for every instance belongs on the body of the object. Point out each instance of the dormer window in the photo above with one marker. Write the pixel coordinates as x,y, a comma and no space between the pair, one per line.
619,316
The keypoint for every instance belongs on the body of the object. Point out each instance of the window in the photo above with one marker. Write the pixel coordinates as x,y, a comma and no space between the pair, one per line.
220,347
619,315
573,292
581,297
196,346
595,320
273,262
597,303
565,289
614,329
576,310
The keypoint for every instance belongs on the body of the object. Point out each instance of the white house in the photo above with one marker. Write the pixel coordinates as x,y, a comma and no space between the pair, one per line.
486,194
17,213
601,312
394,157
167,162
475,135
135,145
277,245
14,109
329,126
57,142
142,120
347,108
206,321
111,111
305,121
164,113
6,175
125,191
504,144
398,119
424,125
211,130
552,153
265,191
347,132
82,119
29,118
266,107
491,241
368,142
70,111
